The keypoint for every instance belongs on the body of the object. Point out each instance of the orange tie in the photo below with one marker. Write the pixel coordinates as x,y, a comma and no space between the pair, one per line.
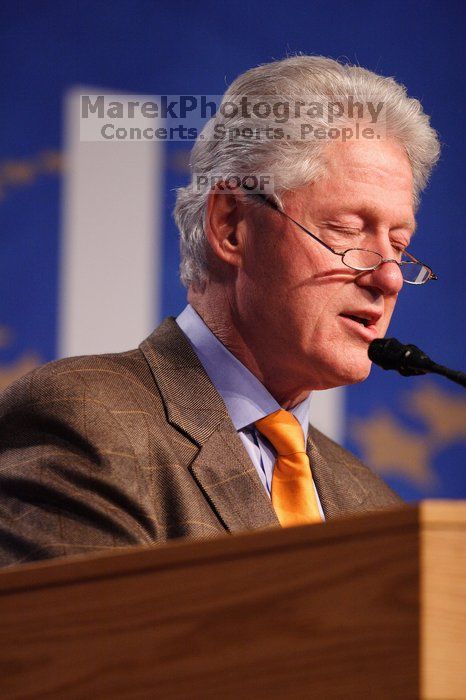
293,494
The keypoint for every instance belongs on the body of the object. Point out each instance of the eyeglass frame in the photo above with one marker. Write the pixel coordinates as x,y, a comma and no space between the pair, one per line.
432,276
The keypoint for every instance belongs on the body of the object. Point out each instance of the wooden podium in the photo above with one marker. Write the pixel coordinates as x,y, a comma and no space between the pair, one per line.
368,607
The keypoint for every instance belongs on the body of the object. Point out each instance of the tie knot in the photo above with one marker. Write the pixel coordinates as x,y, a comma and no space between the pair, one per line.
283,430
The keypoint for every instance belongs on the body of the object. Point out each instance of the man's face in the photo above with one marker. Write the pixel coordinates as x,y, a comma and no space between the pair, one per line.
295,298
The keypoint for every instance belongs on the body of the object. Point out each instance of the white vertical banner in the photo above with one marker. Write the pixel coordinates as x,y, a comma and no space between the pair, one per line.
111,240
327,412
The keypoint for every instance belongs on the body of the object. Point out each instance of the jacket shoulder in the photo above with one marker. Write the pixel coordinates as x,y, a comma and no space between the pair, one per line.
97,377
74,468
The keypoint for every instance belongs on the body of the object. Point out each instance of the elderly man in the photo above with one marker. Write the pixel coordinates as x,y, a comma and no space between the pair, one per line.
204,428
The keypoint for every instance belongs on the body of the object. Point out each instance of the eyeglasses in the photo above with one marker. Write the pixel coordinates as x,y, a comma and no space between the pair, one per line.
413,271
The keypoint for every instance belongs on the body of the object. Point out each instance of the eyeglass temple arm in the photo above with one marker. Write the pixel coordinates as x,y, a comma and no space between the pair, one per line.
272,203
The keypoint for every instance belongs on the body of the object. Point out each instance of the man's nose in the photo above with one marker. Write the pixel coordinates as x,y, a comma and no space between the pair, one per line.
387,278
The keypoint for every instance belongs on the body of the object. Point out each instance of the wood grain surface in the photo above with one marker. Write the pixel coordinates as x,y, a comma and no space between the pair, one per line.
324,611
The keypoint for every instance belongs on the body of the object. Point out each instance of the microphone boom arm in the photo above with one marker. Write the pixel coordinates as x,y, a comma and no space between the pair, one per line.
409,360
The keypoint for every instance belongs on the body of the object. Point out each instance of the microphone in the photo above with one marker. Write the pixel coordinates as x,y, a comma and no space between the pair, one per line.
408,360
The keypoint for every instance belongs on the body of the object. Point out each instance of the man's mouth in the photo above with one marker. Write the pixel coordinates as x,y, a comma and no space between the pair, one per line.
366,317
363,321
366,320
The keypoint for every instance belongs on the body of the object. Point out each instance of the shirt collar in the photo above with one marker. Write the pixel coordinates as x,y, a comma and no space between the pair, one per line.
246,399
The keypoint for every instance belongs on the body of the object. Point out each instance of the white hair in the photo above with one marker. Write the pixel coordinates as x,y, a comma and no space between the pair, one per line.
292,161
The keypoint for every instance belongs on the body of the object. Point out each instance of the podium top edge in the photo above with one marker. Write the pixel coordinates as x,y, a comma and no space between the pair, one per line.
442,512
130,560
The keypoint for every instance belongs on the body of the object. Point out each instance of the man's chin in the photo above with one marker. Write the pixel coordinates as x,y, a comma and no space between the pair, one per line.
345,375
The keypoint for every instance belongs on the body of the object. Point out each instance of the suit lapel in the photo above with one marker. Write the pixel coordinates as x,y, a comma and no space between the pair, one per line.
222,467
340,491
231,483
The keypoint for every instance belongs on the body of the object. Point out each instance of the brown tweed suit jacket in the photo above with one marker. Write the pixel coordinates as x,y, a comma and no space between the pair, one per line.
135,448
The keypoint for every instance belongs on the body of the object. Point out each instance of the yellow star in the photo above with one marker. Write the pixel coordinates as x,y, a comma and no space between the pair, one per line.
18,172
6,336
443,412
391,449
9,374
50,162
24,172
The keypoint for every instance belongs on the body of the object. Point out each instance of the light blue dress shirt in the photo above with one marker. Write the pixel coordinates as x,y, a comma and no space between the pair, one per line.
246,399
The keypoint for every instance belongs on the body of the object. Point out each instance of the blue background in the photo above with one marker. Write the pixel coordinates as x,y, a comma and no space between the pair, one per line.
181,47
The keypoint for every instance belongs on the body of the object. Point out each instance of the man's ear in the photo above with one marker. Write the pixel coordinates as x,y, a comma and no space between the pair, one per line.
224,213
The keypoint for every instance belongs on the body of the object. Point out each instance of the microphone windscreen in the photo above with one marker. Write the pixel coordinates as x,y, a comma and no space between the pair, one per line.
386,352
